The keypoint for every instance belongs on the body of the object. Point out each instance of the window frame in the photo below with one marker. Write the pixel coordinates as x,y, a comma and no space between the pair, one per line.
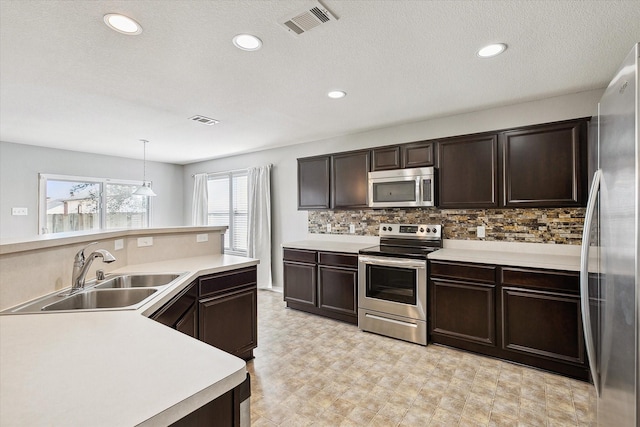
230,175
42,198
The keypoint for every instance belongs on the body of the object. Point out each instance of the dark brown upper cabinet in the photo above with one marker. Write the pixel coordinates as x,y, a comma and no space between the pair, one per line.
545,166
385,158
411,155
417,154
314,183
468,172
350,179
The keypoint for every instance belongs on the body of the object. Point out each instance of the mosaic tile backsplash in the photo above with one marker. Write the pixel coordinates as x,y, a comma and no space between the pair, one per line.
556,226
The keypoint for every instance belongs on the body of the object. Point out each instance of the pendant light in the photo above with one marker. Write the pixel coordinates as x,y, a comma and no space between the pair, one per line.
145,188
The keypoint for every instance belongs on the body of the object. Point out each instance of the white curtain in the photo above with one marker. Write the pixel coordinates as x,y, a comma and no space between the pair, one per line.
259,221
199,207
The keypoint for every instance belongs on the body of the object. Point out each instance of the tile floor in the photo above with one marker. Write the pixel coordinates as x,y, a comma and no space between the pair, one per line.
309,370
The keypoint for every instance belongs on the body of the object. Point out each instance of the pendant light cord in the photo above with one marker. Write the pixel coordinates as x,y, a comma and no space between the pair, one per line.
144,161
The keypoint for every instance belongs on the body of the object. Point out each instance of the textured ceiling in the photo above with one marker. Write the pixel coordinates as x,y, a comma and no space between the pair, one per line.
67,81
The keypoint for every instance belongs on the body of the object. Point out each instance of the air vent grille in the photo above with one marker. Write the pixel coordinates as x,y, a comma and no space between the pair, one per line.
205,120
307,19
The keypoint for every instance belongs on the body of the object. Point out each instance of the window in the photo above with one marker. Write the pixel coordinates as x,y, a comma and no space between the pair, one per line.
71,203
228,205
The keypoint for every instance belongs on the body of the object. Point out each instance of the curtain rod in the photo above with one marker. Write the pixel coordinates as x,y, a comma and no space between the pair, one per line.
231,171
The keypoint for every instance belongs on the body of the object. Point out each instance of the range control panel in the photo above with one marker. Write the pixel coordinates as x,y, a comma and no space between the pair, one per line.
411,230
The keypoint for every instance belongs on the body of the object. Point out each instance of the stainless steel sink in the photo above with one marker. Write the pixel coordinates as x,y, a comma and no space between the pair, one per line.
101,298
137,281
116,292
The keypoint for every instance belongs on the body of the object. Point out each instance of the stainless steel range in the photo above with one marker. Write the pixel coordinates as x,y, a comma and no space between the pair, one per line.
392,288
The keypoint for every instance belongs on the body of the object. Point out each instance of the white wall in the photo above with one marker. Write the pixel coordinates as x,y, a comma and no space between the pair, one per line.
289,224
20,165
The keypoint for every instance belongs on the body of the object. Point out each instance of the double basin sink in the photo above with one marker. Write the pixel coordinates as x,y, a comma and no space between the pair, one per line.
116,292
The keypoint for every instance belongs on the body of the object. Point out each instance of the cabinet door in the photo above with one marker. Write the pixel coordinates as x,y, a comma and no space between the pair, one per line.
541,323
468,172
181,312
229,321
300,282
337,289
417,155
463,310
545,166
188,324
313,183
385,158
350,180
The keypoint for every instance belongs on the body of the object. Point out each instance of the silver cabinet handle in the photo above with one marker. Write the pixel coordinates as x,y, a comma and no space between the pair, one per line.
584,279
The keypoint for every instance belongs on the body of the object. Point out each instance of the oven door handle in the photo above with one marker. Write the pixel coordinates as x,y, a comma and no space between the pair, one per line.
392,262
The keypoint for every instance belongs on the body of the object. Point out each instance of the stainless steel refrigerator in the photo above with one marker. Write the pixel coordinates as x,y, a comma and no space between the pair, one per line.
610,269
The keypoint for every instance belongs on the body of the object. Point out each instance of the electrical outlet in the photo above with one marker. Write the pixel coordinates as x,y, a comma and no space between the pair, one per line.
328,228
352,228
19,211
202,237
118,244
145,241
480,231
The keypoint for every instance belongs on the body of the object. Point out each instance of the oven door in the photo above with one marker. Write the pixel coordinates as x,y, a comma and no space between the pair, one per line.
393,286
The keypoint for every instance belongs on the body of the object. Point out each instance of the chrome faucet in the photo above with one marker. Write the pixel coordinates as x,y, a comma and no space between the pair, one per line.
81,265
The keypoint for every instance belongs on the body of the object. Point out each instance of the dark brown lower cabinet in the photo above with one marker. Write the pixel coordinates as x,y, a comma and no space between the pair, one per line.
220,309
228,311
524,315
181,312
476,323
223,411
324,283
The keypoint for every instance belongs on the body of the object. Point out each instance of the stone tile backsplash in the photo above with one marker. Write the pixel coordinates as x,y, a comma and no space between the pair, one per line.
557,225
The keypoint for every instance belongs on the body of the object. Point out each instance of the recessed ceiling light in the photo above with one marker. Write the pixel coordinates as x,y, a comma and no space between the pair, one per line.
122,24
492,50
337,94
247,42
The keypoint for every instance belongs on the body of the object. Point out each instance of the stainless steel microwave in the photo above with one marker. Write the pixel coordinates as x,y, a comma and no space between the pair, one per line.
397,188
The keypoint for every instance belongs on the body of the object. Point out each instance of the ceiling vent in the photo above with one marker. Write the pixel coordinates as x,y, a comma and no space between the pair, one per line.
204,120
307,19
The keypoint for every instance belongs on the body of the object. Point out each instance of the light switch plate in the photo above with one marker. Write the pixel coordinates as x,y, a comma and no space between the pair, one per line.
202,237
145,241
328,228
480,231
118,244
352,228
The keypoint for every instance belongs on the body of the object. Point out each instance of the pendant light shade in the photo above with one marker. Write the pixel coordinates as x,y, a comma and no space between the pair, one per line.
145,188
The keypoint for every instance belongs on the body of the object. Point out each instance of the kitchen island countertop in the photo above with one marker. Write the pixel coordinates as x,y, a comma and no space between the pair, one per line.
113,367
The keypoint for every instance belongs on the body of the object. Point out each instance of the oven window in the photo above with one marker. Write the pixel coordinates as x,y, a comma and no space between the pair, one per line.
392,284
396,191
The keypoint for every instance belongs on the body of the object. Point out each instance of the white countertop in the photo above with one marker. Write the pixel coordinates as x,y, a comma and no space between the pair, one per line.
327,245
533,255
112,368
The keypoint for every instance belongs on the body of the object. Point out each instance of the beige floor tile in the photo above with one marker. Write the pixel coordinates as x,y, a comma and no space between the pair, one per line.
328,373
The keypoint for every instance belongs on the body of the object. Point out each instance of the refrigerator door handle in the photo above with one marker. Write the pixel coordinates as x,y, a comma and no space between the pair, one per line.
584,279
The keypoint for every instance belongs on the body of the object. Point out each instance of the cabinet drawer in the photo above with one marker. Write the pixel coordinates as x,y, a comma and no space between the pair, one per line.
299,255
541,279
226,281
337,259
477,273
